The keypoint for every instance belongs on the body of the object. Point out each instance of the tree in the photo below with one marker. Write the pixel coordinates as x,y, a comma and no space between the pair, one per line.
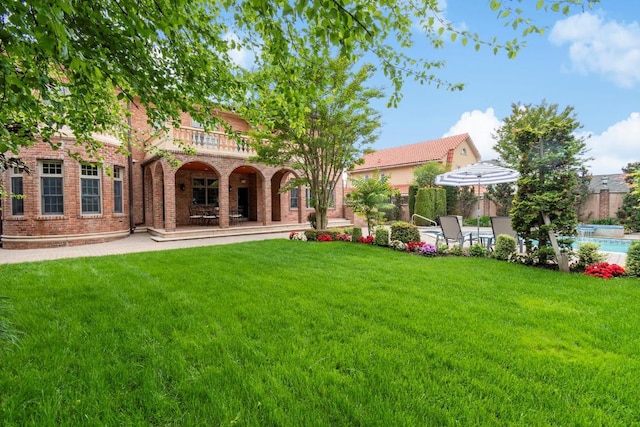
338,125
425,175
466,199
629,213
79,66
369,198
541,142
502,196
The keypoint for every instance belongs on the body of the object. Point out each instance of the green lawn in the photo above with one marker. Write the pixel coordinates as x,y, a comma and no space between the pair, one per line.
329,334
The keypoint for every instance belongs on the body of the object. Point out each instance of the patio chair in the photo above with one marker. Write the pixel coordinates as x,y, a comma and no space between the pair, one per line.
234,216
209,216
452,231
502,225
195,214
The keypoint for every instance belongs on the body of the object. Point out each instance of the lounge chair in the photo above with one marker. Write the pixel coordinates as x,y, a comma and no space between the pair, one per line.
502,225
452,231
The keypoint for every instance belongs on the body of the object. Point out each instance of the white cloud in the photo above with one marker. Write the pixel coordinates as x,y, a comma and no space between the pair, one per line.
610,48
616,147
480,126
240,56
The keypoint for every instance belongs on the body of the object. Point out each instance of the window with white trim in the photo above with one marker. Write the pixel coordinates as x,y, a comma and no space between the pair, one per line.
294,199
17,192
51,193
90,194
118,201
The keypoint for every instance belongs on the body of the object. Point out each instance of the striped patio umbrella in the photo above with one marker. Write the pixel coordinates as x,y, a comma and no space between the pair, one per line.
478,173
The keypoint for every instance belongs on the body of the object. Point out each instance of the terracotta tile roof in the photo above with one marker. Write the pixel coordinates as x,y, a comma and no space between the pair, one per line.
413,154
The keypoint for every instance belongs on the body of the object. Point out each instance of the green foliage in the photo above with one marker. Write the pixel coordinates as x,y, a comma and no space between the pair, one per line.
331,138
588,254
505,247
542,143
605,221
425,175
478,250
502,195
413,191
76,63
430,203
369,197
356,233
405,232
382,236
312,235
629,213
632,265
392,211
485,221
453,207
467,200
456,250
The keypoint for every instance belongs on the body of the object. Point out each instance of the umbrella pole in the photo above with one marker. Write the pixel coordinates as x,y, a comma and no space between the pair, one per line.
478,215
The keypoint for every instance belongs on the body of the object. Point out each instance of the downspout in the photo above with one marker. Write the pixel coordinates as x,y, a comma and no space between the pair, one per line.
132,225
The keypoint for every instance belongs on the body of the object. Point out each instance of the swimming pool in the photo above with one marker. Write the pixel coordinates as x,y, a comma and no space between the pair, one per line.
606,245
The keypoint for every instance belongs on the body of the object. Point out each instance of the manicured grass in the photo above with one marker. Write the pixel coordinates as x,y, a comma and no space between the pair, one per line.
300,333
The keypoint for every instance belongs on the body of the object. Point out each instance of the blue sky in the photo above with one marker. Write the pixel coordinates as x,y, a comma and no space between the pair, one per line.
588,60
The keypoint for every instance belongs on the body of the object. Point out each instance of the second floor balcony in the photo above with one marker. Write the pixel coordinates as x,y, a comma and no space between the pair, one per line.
215,142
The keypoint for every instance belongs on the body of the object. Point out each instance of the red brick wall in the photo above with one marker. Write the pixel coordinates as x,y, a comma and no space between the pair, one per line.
73,222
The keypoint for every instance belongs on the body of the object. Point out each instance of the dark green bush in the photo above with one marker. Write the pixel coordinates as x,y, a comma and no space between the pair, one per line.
478,250
633,260
382,236
588,254
505,247
405,232
605,221
356,233
430,203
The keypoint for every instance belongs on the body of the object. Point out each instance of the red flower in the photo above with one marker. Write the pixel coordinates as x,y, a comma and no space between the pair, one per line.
604,270
368,240
324,238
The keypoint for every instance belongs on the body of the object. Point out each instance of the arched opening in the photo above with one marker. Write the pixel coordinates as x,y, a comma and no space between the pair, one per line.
246,195
284,206
197,184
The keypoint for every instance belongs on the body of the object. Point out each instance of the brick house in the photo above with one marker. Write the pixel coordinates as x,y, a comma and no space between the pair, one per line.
453,152
67,203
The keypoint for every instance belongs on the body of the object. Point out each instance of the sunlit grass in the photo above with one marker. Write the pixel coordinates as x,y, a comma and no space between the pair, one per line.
301,333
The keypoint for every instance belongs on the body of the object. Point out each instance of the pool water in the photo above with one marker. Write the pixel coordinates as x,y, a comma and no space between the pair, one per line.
606,245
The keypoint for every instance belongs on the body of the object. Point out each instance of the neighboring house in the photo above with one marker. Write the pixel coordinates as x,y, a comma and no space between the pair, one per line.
453,152
68,203
605,197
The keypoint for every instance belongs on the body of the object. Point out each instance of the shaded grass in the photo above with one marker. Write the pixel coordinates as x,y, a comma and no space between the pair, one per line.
300,333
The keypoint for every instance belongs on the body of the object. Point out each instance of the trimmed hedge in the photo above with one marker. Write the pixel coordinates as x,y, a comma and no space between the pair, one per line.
431,203
405,232
382,236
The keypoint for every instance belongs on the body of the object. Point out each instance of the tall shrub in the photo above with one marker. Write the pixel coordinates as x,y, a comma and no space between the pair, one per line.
633,260
431,203
413,190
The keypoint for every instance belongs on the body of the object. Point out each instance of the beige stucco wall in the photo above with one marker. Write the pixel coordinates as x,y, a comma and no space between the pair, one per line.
463,156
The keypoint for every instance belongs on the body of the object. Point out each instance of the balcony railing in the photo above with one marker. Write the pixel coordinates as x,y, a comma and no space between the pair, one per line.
207,142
